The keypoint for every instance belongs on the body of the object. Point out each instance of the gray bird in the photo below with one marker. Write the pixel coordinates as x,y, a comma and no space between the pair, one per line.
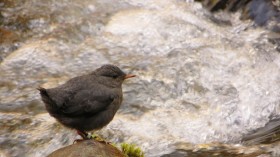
88,102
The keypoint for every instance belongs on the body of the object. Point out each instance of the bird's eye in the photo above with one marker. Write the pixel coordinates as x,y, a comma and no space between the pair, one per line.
114,76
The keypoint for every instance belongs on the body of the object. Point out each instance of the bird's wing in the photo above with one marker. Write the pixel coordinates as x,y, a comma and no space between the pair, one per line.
87,102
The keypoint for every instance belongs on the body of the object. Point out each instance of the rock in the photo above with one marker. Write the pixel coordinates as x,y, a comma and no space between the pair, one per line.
267,134
224,150
264,13
88,148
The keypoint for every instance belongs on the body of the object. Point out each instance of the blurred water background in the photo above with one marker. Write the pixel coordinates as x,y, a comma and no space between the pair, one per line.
201,77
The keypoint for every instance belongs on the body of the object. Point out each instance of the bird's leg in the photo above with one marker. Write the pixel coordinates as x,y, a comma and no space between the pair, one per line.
84,134
87,136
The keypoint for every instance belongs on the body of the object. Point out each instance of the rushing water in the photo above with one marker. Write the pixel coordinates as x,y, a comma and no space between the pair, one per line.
198,80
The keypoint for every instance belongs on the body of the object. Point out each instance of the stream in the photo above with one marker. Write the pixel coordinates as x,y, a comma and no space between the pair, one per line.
198,80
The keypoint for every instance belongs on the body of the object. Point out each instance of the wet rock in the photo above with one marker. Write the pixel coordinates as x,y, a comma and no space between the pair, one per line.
223,150
265,135
262,12
88,148
8,42
7,36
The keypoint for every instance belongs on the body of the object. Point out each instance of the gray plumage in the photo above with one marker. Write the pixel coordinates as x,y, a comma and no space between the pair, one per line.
87,102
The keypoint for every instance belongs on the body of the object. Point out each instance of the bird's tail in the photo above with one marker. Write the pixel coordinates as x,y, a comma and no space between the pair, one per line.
43,91
49,103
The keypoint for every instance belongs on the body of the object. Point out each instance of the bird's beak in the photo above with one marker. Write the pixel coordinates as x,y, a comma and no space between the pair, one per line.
129,76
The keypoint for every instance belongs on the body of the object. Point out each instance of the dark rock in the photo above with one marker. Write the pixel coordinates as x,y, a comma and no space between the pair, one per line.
262,11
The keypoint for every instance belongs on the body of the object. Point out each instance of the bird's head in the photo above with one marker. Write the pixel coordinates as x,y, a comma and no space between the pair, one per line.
112,73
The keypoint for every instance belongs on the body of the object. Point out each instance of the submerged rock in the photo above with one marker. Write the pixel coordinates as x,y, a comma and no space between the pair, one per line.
268,134
224,150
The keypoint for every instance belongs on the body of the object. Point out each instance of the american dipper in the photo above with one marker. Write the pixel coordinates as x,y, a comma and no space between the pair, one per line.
87,102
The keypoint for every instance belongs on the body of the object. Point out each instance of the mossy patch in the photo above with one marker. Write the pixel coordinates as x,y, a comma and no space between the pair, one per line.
131,150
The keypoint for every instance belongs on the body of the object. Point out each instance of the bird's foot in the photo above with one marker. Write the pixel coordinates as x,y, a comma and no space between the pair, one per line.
84,135
88,136
99,139
78,140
